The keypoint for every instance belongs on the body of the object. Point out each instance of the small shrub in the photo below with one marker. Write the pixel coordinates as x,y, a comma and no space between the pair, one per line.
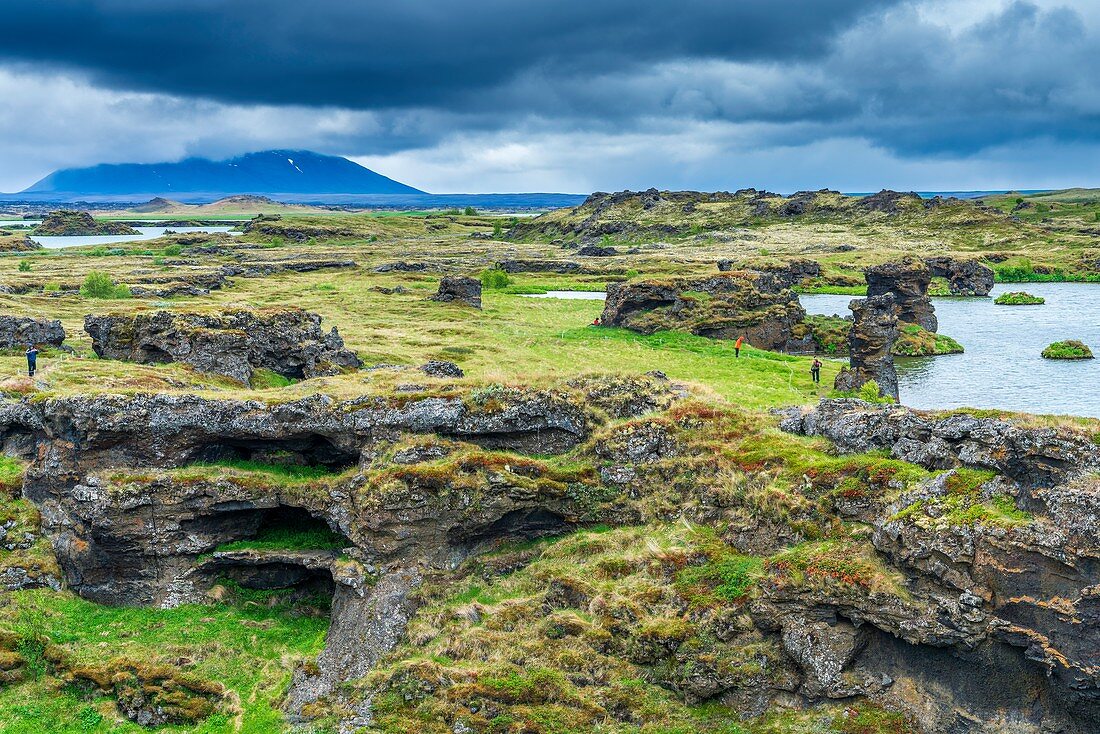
498,230
52,288
98,285
470,211
24,266
495,279
1069,349
870,393
173,250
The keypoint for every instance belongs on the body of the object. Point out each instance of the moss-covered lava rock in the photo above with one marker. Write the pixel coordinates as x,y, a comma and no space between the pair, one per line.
1069,349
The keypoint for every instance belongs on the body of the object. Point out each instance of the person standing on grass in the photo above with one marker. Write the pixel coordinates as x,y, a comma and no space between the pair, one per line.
737,346
815,371
32,360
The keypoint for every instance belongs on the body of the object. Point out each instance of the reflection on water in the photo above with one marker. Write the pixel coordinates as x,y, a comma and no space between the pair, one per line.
144,233
1001,367
570,295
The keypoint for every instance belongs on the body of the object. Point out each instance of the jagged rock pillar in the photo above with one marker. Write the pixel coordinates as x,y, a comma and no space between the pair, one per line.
908,280
870,340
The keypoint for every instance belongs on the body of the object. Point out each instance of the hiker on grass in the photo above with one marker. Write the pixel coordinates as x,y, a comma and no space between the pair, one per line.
737,346
32,360
815,371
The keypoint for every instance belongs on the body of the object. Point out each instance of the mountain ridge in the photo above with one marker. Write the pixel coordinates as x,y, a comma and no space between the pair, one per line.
279,171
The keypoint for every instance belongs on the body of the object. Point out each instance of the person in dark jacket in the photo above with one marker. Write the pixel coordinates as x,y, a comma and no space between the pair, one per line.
32,360
815,371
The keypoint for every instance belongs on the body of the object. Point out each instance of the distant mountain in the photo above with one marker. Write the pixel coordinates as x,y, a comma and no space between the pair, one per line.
300,172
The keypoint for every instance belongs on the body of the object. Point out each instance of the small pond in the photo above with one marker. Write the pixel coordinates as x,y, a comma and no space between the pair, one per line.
144,233
570,295
1001,367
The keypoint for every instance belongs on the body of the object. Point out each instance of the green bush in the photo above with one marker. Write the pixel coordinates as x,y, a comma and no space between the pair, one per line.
101,285
498,230
173,250
470,211
495,279
24,266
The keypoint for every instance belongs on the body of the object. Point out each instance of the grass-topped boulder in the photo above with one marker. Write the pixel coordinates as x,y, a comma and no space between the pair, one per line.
65,222
725,306
914,341
1069,349
1019,298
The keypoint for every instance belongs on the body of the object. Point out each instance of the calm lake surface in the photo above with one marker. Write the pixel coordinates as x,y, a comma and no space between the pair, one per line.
1001,367
145,233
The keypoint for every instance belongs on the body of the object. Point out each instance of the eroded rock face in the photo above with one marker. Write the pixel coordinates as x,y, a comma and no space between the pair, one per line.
726,306
20,331
784,275
1026,590
870,341
908,281
459,289
964,277
234,343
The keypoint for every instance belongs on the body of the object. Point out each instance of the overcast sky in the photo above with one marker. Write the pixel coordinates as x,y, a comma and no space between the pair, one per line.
567,95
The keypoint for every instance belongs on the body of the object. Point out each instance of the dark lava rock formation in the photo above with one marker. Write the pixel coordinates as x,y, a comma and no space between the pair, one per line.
20,331
964,277
726,306
65,222
460,289
870,341
908,281
1026,608
976,626
786,275
234,343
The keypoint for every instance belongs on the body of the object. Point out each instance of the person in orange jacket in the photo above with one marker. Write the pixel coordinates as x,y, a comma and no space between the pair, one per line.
737,346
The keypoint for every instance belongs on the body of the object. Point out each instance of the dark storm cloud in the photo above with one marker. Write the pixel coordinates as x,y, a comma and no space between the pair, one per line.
397,53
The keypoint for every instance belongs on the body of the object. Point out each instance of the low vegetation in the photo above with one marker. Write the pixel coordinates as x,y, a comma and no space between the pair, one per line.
1069,349
1019,298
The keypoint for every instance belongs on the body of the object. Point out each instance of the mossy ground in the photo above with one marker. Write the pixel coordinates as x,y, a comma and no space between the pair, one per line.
484,635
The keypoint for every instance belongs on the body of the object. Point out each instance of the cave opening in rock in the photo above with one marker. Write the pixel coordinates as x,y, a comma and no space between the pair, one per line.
516,525
309,450
150,354
281,529
280,549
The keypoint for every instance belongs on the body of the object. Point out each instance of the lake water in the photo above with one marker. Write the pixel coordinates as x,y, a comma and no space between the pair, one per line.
570,295
144,233
1001,367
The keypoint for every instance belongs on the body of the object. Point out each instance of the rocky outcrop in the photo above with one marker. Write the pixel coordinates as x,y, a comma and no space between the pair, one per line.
891,202
870,346
459,289
233,343
908,281
726,306
1025,582
964,277
596,251
20,332
65,222
540,266
785,275
136,517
